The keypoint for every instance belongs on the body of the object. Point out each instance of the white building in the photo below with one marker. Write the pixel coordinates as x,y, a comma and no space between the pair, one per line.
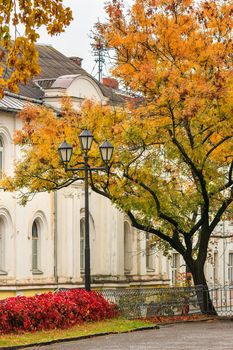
42,244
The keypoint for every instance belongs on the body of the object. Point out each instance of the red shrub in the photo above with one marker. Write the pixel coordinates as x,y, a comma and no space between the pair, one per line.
49,311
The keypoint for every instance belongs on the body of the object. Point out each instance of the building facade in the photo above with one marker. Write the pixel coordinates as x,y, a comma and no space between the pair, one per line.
42,243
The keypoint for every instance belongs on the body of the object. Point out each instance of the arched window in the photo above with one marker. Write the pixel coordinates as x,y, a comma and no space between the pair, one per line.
2,245
127,248
36,247
82,244
1,157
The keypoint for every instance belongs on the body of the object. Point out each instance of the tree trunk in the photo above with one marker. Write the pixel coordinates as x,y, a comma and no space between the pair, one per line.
203,295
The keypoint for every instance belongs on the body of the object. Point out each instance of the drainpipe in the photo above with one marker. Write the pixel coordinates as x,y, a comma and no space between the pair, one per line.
55,237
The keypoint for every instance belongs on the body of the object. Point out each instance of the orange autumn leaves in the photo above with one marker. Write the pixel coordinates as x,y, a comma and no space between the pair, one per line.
161,45
175,138
177,55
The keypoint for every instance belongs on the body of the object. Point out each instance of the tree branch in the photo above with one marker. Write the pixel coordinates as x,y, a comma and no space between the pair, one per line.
189,133
196,226
215,147
196,173
157,202
220,211
177,246
228,184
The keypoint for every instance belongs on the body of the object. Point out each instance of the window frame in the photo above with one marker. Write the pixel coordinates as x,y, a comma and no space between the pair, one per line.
1,157
215,267
36,247
2,246
128,257
82,245
175,267
149,255
230,267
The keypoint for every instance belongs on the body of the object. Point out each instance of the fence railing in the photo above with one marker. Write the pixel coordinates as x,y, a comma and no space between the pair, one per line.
172,301
222,298
157,301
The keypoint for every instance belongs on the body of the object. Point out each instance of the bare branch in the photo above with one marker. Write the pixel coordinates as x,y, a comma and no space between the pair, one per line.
176,245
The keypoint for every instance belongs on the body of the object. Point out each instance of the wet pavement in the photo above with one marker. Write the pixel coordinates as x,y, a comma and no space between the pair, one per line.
214,335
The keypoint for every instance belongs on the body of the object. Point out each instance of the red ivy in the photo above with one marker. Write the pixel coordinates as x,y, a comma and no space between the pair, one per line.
49,311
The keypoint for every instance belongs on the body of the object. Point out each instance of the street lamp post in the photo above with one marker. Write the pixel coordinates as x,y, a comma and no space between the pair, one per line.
65,152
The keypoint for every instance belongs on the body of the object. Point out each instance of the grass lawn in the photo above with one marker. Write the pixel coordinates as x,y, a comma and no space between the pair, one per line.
114,325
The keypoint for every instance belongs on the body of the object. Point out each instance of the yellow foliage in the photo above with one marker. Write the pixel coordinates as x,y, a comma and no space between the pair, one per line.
173,143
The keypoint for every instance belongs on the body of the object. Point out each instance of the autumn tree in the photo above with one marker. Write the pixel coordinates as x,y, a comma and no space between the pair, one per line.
173,164
18,54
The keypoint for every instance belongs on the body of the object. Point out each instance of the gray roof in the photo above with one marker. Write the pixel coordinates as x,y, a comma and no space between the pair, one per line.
14,103
53,65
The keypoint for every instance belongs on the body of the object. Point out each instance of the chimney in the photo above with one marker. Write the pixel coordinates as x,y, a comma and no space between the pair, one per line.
76,60
111,83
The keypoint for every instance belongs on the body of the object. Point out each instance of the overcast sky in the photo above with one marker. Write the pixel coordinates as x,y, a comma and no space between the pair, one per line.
75,41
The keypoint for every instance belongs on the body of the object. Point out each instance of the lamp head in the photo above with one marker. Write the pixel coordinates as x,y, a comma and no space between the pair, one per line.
86,139
65,152
106,151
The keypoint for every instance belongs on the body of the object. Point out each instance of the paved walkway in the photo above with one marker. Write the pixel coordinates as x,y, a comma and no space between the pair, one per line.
213,335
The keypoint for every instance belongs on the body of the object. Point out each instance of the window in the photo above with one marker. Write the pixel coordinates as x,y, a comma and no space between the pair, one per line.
215,268
149,254
175,267
82,244
35,247
1,157
230,268
2,245
127,248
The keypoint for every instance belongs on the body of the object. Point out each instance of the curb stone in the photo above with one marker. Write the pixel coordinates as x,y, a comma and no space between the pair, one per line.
63,340
216,318
182,321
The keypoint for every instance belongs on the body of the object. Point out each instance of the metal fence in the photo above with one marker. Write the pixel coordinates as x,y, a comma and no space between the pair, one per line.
157,301
222,298
172,301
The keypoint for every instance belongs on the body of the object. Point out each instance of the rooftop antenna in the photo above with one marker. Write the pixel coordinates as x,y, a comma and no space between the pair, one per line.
99,52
